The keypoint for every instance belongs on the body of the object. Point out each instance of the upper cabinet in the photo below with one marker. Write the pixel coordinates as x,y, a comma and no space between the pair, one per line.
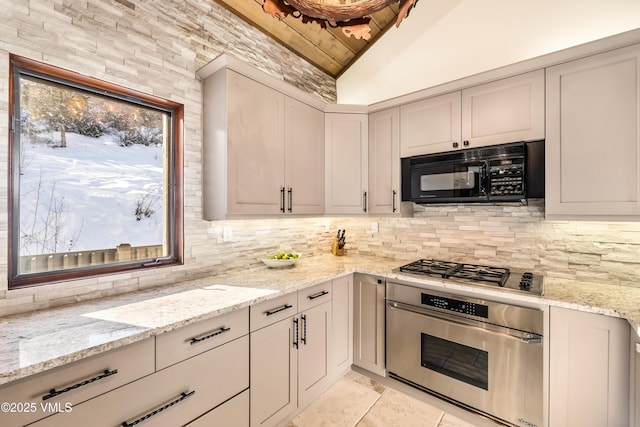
506,110
303,158
346,180
593,137
263,151
384,162
430,126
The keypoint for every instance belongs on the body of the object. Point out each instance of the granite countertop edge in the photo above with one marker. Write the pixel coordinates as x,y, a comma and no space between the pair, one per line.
104,318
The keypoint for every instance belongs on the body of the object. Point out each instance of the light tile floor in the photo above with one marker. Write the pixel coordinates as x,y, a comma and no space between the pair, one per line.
359,401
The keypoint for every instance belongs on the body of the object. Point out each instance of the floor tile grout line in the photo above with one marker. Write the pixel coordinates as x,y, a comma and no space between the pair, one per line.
370,407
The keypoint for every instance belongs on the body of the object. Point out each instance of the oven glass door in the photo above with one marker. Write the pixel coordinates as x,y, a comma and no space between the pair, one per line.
458,361
449,180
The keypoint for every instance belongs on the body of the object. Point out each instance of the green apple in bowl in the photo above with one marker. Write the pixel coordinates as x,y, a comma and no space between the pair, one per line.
281,259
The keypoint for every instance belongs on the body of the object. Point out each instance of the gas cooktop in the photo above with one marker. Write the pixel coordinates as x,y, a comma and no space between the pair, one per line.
483,275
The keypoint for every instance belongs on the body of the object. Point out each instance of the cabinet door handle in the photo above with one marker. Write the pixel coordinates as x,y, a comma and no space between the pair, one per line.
282,199
53,392
182,397
465,143
318,295
304,329
364,206
222,330
393,200
455,145
290,191
277,310
295,339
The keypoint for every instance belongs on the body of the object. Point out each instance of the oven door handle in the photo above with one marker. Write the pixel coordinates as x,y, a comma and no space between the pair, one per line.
525,337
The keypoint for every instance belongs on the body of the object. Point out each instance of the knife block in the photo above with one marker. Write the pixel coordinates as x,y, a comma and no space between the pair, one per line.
335,250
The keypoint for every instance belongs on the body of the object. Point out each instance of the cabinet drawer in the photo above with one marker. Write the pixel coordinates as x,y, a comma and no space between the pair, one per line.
77,382
171,397
313,296
272,311
234,413
191,340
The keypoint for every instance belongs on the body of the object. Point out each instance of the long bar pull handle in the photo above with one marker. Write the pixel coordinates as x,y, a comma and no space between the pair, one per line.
304,329
393,200
282,199
222,330
277,310
364,206
295,341
53,392
290,191
483,179
182,397
318,295
532,340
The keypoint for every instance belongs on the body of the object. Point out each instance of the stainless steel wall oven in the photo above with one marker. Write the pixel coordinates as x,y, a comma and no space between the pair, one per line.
484,355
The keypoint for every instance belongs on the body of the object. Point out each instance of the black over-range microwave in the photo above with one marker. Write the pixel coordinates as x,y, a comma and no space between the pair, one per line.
497,173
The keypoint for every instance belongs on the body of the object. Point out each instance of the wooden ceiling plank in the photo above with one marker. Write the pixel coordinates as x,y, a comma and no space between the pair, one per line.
322,38
382,17
329,49
283,34
371,42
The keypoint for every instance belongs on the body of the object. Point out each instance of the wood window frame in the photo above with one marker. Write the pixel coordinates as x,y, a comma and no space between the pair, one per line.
175,227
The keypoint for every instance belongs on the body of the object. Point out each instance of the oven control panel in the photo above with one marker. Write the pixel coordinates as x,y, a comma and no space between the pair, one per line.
450,304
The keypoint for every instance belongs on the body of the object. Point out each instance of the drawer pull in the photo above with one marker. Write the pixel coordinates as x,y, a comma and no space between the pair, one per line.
53,392
318,295
278,310
182,397
222,330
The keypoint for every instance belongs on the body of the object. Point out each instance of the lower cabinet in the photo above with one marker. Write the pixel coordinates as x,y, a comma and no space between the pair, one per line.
289,360
72,384
589,370
234,412
369,323
341,356
170,397
273,367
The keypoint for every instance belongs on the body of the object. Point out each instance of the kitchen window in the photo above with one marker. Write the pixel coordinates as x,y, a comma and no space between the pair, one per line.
95,173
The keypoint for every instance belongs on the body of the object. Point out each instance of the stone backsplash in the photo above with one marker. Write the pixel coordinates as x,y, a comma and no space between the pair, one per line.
508,235
156,47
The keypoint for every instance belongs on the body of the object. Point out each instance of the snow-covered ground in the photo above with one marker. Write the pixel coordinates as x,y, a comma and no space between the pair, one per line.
99,184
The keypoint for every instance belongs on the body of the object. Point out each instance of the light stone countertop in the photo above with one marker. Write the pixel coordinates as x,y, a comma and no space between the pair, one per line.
34,342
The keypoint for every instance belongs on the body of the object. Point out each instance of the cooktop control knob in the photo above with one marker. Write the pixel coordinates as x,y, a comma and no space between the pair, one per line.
526,281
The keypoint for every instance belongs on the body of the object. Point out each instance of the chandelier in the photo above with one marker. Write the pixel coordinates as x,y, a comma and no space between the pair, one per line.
350,15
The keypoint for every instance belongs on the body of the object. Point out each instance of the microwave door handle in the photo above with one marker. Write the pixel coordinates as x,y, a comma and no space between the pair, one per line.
484,179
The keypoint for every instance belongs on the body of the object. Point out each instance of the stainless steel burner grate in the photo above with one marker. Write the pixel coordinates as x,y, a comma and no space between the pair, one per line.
446,269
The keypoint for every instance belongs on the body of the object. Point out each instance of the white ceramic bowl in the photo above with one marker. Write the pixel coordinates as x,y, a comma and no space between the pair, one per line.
276,263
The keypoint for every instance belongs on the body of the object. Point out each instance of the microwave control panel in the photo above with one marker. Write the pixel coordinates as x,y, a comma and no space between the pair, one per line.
507,177
450,304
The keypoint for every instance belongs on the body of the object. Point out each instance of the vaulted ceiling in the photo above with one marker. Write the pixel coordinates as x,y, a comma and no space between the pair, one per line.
329,49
